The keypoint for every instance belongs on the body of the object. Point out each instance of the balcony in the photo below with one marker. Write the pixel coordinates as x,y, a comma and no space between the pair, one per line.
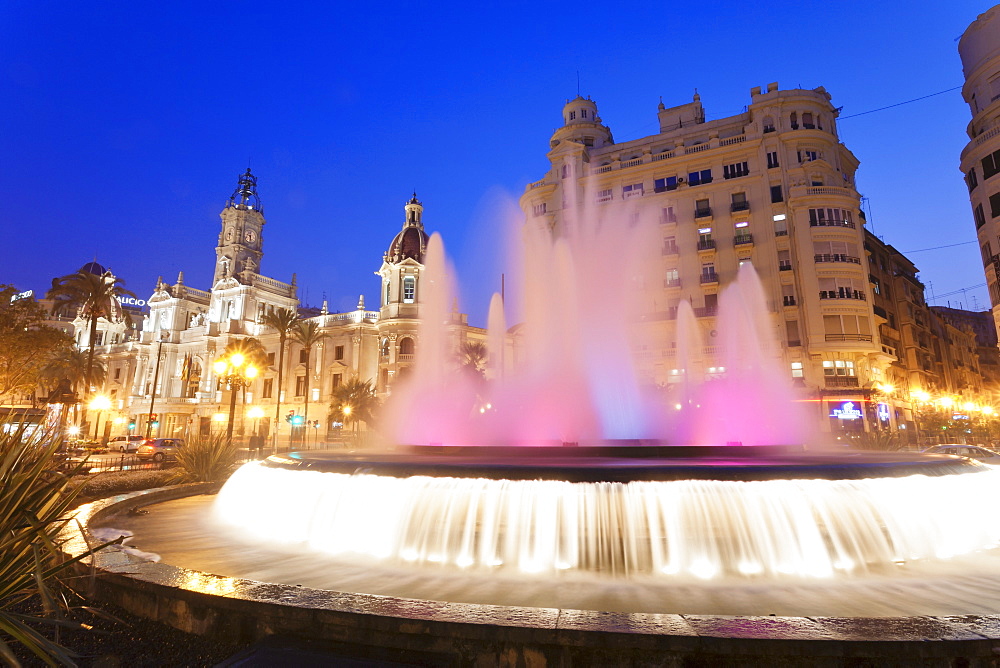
739,206
788,300
705,212
671,282
784,265
832,223
848,337
836,257
843,293
706,244
670,249
743,239
710,277
705,311
842,381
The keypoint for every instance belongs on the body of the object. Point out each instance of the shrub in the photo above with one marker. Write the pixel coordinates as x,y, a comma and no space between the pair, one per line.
35,505
207,459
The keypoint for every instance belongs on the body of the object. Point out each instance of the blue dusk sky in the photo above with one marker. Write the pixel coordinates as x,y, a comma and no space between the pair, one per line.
124,126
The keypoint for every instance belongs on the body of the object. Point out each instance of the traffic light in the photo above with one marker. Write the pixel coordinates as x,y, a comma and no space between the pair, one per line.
290,417
154,417
131,423
297,420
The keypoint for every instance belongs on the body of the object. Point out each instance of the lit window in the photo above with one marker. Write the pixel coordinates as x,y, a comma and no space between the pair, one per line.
797,370
778,216
632,190
605,195
741,225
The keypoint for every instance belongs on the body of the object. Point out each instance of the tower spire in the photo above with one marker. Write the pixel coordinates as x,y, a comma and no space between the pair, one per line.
245,195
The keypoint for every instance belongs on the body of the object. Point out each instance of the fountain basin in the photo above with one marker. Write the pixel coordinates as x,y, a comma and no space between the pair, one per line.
442,633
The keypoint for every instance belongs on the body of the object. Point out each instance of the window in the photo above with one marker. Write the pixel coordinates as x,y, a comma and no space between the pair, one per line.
583,113
847,328
990,164
667,215
664,184
836,251
538,209
794,120
807,121
784,260
735,170
300,386
788,295
386,298
698,178
702,209
980,216
670,246
268,388
337,380
604,195
987,252
270,359
776,195
705,241
995,205
792,333
772,159
406,346
970,179
808,155
632,190
588,141
876,284
780,227
572,115
673,279
838,368
739,202
118,369
831,217
768,124
708,274
409,289
303,356
796,369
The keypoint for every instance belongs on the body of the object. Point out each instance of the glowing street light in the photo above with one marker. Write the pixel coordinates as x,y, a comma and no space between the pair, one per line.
921,396
99,403
237,373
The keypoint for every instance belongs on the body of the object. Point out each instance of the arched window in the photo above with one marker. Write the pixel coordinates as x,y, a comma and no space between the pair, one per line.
384,347
406,346
807,120
387,284
768,124
794,118
409,289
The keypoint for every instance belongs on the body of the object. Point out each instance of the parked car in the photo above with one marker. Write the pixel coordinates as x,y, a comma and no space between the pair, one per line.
125,443
972,451
160,449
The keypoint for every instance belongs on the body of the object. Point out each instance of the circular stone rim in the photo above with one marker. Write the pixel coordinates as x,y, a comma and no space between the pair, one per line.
468,625
626,463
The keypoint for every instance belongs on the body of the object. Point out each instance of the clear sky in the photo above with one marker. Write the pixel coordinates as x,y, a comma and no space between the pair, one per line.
123,126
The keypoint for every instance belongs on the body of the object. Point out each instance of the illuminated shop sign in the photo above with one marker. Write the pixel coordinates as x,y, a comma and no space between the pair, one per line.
882,410
22,295
132,301
847,410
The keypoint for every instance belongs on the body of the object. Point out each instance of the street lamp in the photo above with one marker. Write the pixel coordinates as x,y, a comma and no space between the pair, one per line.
237,372
156,379
99,403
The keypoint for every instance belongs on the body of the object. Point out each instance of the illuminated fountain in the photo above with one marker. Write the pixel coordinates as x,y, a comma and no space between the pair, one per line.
571,466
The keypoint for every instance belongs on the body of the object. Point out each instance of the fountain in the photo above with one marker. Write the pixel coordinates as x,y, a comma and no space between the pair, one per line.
571,481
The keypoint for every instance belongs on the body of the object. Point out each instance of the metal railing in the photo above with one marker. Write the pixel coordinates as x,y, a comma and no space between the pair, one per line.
836,257
706,244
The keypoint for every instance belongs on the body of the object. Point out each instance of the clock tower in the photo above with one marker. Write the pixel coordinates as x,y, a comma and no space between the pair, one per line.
240,247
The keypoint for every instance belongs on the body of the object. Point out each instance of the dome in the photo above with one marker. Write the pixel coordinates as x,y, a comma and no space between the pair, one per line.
410,243
580,110
93,268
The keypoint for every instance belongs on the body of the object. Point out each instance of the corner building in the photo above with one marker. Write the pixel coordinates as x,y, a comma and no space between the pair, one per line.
773,186
979,48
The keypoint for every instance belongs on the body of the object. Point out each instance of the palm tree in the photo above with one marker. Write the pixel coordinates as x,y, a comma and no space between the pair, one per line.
354,401
71,364
473,356
307,334
282,320
94,297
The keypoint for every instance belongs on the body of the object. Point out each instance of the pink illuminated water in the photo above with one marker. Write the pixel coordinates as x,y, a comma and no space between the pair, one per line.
579,366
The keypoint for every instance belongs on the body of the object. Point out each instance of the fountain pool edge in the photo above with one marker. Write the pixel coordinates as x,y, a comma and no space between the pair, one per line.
433,632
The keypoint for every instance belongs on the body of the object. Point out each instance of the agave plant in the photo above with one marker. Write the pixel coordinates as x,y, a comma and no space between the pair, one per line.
35,505
207,459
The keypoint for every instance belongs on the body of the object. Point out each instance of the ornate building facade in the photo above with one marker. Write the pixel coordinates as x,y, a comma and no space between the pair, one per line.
162,379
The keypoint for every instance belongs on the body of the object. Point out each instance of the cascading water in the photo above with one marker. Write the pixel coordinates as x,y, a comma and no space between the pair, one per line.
664,515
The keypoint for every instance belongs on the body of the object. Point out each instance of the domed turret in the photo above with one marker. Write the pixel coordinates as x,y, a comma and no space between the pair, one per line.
411,242
93,268
582,125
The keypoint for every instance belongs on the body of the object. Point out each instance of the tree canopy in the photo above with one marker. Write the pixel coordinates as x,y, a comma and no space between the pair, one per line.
27,344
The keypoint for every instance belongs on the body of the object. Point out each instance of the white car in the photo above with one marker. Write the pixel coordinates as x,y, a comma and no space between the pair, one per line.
971,451
125,443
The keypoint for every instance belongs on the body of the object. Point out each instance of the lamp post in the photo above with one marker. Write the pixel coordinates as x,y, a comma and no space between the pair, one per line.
99,403
237,373
156,379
